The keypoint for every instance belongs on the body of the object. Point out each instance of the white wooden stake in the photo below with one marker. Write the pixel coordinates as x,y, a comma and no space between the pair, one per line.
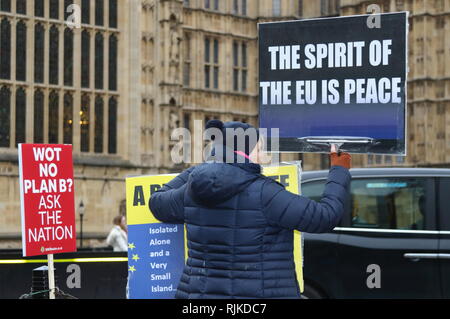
51,276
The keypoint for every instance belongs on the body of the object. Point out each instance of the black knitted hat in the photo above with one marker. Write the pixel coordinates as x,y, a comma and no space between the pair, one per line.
249,144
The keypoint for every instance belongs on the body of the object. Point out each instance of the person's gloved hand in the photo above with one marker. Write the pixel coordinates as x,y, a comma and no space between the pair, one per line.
340,159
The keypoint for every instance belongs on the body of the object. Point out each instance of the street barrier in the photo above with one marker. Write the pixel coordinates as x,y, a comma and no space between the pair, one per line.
87,274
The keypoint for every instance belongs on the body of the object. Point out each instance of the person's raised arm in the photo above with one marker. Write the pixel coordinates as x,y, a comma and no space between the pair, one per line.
167,206
178,181
167,203
290,211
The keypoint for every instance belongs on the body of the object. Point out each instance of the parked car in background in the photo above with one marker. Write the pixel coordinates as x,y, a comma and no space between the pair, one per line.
396,227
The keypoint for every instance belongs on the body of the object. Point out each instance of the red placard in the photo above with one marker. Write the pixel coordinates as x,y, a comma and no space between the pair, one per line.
47,199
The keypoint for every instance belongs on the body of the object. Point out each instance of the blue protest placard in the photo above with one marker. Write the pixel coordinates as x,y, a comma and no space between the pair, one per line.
335,79
156,254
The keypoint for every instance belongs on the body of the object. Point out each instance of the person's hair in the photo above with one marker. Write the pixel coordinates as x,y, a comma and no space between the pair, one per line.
117,220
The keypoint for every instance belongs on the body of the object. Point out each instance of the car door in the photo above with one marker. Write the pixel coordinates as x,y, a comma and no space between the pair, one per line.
386,237
320,250
444,235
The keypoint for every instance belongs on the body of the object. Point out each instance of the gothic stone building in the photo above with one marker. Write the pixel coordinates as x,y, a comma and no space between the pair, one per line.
118,85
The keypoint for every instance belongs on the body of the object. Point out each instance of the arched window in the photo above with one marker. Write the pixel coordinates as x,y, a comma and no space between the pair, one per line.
21,51
244,7
21,102
39,8
276,9
85,11
54,9
68,119
5,5
39,37
38,117
98,136
99,12
113,62
67,3
99,61
5,116
21,6
112,126
5,49
53,55
113,13
53,118
84,123
85,58
68,57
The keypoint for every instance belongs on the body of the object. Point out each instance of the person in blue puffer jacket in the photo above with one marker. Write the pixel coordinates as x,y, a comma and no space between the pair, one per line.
240,223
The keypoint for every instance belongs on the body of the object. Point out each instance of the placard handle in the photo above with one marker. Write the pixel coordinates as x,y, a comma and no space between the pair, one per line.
51,276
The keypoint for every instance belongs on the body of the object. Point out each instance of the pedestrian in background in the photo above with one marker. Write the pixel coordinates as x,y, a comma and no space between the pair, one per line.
240,223
117,237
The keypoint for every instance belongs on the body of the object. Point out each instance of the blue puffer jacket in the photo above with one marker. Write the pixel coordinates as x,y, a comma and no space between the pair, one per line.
240,228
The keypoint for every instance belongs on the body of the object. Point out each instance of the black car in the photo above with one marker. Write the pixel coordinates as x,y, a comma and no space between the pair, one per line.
393,240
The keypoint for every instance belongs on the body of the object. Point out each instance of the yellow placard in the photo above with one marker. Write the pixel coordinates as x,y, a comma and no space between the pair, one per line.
139,190
289,176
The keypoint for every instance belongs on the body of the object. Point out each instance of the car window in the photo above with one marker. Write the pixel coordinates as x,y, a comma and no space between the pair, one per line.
444,203
388,203
313,190
383,203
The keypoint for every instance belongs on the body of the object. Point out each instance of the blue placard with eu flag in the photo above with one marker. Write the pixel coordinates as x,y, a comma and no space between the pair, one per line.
156,253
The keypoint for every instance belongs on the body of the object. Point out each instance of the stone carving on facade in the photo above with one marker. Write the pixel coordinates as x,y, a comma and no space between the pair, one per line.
174,50
174,121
